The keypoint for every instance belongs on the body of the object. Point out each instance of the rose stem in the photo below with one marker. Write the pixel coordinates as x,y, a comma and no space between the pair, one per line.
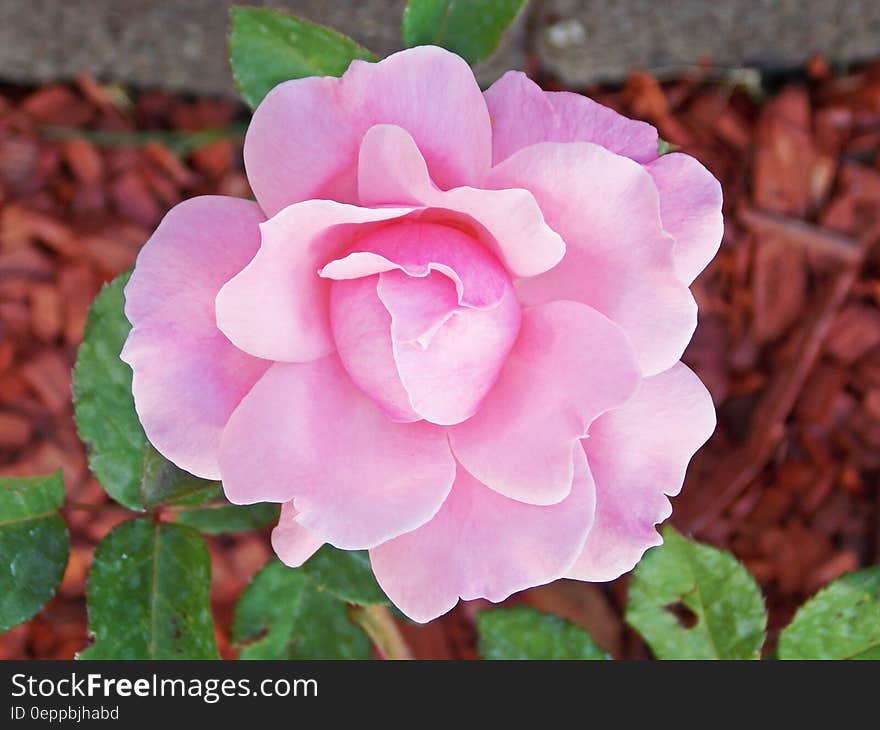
379,625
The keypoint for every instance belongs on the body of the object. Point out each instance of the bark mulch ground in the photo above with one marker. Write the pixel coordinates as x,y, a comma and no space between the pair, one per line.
788,341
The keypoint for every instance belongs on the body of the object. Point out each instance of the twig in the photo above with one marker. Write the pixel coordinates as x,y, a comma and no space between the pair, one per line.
809,237
379,625
180,143
95,507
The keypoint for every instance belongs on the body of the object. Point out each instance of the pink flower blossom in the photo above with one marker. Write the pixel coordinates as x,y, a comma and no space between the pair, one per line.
447,331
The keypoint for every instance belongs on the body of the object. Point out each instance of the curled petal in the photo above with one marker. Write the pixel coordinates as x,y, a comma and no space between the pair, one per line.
304,138
638,454
690,204
306,433
523,114
569,365
419,306
618,257
293,543
448,368
410,346
277,306
418,247
362,331
188,377
450,318
393,172
483,545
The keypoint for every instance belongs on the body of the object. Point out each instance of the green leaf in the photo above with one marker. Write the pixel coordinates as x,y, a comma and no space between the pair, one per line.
664,147
692,601
221,518
286,616
124,462
267,47
470,28
346,574
30,498
525,633
164,483
34,545
842,621
102,401
147,594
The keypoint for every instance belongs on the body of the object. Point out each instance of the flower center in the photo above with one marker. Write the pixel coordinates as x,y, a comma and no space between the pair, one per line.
423,317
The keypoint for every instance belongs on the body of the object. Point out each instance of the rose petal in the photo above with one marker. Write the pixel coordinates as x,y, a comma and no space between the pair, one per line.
362,331
303,140
523,114
419,306
447,369
292,543
409,345
618,258
356,478
188,378
690,204
392,171
483,545
391,168
419,246
638,454
277,307
429,274
569,365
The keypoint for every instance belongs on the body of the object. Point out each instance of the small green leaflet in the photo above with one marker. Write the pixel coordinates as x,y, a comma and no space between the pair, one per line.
470,28
215,519
664,147
525,633
345,574
842,621
267,47
285,615
34,545
709,588
147,594
164,483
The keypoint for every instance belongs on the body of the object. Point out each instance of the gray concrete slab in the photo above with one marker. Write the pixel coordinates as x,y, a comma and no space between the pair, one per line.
181,44
597,40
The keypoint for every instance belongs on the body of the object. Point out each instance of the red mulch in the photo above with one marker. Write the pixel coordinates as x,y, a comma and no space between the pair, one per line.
788,342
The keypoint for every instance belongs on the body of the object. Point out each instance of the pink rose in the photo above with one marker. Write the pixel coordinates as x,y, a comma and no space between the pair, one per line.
448,331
